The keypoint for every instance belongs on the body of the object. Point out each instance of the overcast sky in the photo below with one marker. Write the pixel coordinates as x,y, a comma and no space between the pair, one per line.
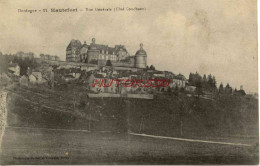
182,36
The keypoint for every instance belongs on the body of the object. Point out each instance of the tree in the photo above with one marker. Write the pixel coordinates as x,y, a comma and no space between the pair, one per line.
214,82
210,81
194,79
204,78
221,88
152,67
191,78
242,92
228,89
204,82
199,88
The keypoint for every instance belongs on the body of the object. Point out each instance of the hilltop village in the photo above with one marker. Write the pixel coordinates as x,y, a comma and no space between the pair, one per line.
88,62
45,92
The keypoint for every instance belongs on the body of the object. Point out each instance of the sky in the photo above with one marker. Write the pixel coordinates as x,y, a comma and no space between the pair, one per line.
217,37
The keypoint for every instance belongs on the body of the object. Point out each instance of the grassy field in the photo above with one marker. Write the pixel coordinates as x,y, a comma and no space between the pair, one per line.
227,119
40,146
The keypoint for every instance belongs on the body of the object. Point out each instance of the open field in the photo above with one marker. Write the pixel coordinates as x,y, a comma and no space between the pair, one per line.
41,146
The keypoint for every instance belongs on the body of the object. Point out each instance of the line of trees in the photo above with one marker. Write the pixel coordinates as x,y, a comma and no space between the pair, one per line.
209,83
206,83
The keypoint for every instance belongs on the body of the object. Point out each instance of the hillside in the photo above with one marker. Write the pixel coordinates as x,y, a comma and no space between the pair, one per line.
56,122
168,115
226,116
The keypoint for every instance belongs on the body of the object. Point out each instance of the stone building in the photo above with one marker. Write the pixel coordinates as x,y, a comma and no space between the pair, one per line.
14,68
24,81
99,54
24,55
36,78
83,52
73,50
140,58
179,81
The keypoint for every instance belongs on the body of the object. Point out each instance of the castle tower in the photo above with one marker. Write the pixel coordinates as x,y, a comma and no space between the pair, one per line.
83,52
140,58
72,51
93,52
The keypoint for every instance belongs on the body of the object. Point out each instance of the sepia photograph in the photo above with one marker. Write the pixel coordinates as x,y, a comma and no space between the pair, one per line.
129,82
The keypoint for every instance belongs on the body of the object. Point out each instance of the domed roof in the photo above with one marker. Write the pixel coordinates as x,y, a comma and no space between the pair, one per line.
84,45
93,45
141,51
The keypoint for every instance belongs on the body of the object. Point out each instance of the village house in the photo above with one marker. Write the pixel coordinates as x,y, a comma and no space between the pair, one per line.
36,78
24,80
14,68
32,79
191,89
68,78
102,73
179,81
52,58
90,81
49,57
24,55
112,88
75,72
159,74
114,73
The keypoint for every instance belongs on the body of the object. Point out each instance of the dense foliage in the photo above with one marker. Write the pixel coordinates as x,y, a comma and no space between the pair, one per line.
209,84
23,62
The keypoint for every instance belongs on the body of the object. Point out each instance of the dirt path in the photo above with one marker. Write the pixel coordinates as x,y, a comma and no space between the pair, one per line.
191,140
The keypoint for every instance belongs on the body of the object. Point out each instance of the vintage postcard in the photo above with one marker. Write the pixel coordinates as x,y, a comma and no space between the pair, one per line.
128,82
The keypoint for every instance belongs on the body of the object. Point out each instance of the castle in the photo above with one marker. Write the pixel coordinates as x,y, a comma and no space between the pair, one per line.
103,55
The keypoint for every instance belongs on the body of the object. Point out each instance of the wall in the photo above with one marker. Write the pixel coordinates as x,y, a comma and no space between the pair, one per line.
88,67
